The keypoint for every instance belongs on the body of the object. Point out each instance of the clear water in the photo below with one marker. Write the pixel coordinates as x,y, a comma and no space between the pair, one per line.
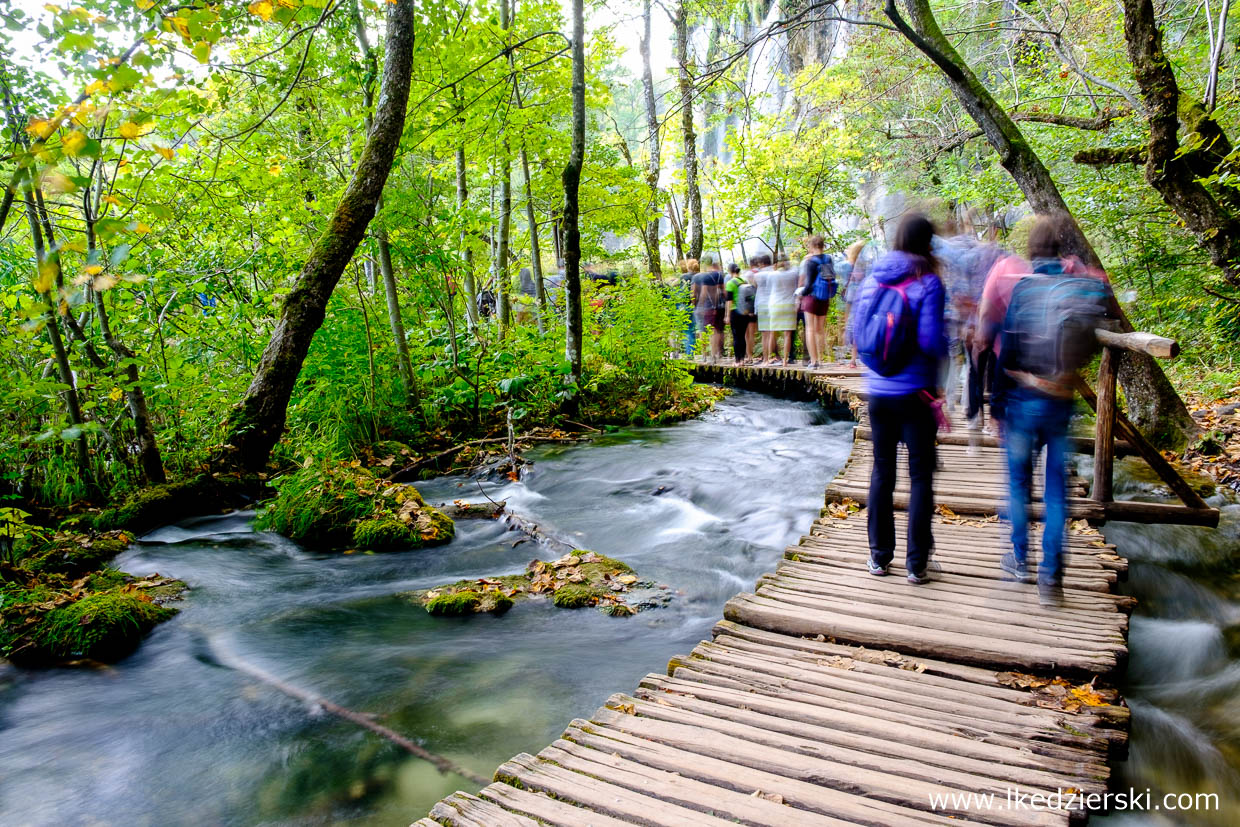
173,736
1183,680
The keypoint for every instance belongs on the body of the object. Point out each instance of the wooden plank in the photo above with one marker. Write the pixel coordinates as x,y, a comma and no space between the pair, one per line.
1157,346
879,784
894,755
1162,513
968,648
465,810
609,799
547,809
676,788
815,794
1104,457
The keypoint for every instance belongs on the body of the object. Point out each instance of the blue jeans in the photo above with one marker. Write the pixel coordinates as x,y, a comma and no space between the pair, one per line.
1033,419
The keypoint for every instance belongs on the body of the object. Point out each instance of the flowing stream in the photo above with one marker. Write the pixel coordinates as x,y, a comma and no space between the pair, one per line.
172,735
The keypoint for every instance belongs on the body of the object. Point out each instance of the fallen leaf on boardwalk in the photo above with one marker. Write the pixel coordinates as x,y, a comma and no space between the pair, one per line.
1016,680
838,662
776,797
1086,695
627,709
945,511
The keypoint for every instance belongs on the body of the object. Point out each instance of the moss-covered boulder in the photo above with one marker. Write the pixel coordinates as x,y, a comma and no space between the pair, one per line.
47,619
72,553
158,505
574,581
336,505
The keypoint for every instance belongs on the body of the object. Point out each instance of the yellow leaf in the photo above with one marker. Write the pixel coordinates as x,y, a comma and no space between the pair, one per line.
261,8
116,394
41,128
131,131
275,169
54,181
145,5
111,199
76,245
52,7
93,269
46,277
95,86
104,282
141,228
74,142
167,152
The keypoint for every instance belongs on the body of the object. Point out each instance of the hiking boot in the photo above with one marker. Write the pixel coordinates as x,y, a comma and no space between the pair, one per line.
875,568
919,579
1014,569
1050,595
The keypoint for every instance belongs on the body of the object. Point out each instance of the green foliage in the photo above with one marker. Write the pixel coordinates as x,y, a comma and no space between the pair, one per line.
73,554
102,626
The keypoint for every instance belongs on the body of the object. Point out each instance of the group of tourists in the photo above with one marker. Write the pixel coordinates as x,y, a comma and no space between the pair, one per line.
768,299
1021,327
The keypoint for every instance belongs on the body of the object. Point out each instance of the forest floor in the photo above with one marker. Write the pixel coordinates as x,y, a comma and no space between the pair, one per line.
1216,452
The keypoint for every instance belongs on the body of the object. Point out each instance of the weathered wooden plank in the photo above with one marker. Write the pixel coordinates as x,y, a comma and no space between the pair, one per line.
547,809
465,810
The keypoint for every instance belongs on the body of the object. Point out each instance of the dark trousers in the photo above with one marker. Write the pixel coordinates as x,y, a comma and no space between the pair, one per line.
981,378
907,419
740,323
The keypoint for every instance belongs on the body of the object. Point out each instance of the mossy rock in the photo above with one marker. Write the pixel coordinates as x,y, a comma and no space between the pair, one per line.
74,554
338,505
467,602
150,508
575,596
384,534
104,626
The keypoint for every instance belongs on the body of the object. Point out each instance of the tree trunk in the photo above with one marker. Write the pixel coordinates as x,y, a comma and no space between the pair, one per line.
1175,174
540,288
257,422
572,181
1155,405
503,277
467,253
693,196
653,262
403,366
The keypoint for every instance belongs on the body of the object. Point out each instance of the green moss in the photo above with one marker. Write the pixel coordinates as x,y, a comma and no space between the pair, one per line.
104,625
455,603
384,534
575,596
158,505
336,505
74,554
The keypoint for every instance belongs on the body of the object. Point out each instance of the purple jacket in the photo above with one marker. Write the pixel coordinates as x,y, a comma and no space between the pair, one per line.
926,296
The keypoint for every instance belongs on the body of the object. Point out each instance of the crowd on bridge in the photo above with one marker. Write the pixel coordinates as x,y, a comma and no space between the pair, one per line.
942,318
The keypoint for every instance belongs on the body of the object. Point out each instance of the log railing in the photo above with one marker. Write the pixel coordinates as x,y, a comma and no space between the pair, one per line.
1112,422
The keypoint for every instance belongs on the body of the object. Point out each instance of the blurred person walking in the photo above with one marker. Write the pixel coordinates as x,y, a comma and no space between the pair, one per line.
898,330
1045,337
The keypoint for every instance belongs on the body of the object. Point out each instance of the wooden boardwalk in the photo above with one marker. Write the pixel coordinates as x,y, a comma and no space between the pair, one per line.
828,696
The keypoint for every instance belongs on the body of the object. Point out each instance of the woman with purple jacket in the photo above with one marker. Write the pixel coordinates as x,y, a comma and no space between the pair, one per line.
901,403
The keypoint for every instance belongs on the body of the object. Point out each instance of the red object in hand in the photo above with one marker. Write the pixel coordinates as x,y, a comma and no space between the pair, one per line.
940,416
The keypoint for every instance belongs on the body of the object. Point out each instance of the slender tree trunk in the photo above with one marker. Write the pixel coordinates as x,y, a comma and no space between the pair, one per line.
1153,401
572,181
693,196
73,405
653,261
540,288
467,253
257,422
503,275
403,366
678,237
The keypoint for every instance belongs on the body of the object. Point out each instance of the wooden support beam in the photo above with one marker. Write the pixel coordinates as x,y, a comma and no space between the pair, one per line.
1129,511
1148,452
1157,346
1104,458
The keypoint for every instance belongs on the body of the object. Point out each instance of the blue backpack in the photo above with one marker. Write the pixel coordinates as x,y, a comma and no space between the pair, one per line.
886,329
824,286
1049,327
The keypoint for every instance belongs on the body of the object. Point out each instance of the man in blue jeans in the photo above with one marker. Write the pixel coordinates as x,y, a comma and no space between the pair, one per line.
1034,387
1033,419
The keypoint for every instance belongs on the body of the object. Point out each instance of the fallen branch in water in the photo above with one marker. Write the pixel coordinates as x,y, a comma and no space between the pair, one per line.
444,765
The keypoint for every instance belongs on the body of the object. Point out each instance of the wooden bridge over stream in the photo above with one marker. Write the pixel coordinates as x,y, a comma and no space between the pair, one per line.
828,696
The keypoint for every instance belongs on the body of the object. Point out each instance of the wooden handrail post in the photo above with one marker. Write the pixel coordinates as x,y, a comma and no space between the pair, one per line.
1104,441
